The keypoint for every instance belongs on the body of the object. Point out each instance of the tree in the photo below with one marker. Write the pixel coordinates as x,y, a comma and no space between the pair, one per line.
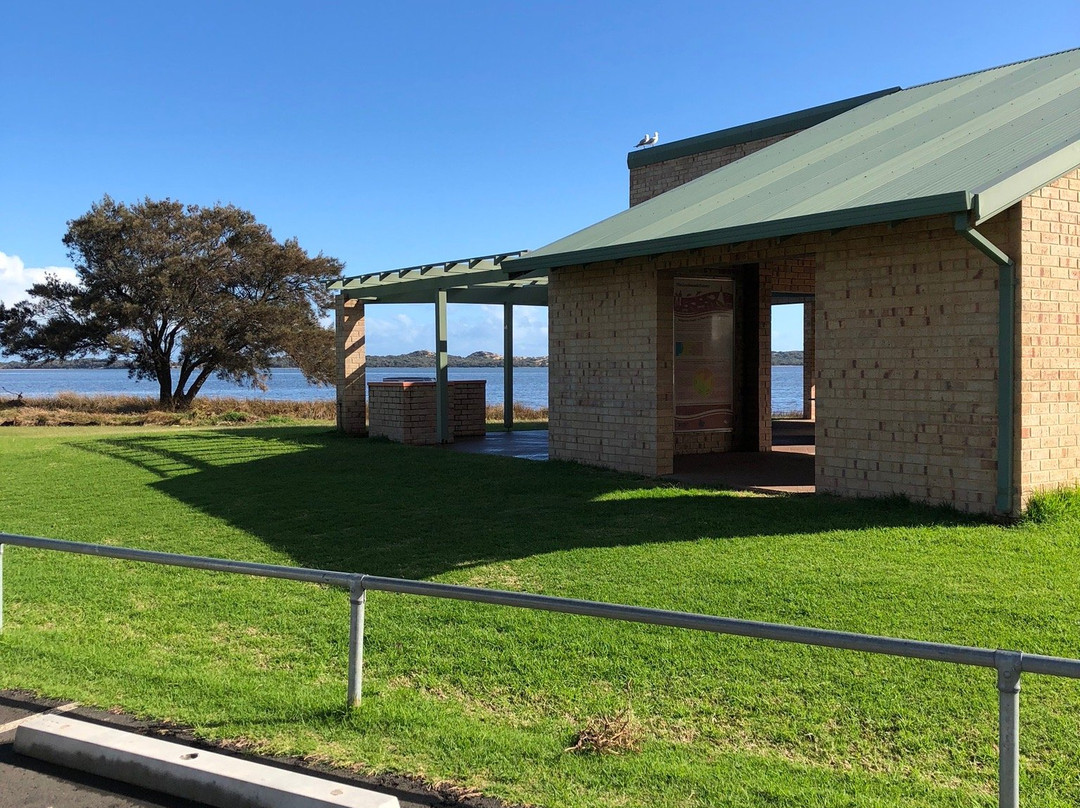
180,293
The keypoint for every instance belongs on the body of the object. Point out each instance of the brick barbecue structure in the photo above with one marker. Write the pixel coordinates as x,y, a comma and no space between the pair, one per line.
933,235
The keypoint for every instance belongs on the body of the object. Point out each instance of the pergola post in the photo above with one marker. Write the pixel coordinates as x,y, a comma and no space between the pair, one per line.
508,366
442,376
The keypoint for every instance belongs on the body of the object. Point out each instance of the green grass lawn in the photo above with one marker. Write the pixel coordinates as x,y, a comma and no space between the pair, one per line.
490,698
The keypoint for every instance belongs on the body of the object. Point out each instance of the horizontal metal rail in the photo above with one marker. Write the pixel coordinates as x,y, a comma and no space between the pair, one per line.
1009,664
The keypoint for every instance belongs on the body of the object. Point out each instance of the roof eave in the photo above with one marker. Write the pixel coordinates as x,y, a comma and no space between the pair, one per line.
951,202
1042,170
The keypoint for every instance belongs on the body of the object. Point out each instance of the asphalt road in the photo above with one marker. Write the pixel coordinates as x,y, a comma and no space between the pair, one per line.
30,783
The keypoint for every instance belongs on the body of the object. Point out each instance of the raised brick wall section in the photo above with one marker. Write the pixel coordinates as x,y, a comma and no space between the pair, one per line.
405,411
468,408
351,361
1048,359
654,179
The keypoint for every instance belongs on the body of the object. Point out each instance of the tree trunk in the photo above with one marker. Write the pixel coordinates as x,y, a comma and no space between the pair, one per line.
182,398
163,371
165,396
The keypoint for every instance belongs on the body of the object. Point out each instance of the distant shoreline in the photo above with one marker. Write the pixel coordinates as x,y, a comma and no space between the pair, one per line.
415,359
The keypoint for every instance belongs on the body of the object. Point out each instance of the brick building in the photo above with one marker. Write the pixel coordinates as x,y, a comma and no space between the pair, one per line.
936,231
933,234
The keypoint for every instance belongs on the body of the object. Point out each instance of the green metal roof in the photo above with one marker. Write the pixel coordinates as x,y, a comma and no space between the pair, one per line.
769,127
978,142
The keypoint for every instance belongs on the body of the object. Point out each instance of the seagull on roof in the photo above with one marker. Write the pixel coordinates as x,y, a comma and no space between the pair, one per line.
645,140
652,141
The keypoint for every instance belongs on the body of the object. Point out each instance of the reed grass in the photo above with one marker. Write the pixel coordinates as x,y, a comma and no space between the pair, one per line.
522,413
76,409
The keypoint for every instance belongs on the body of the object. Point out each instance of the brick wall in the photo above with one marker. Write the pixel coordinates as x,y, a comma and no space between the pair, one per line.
468,408
651,180
350,353
405,411
608,346
906,354
1048,358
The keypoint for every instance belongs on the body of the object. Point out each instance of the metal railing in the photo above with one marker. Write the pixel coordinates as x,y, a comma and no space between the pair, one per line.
1009,664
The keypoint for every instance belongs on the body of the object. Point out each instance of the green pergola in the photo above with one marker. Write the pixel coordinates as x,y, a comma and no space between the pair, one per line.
483,279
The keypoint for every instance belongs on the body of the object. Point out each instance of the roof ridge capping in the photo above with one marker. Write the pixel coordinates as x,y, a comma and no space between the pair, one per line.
991,69
755,130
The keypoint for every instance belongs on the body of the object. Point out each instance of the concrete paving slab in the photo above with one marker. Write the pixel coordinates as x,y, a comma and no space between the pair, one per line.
183,771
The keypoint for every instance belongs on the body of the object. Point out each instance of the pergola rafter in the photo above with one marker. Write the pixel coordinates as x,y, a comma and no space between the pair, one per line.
481,280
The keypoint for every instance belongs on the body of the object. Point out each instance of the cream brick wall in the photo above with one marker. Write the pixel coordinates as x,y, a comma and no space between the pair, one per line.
604,336
906,354
651,180
1048,359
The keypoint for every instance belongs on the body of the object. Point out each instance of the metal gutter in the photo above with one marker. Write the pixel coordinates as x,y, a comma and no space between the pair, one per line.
951,202
769,127
1006,358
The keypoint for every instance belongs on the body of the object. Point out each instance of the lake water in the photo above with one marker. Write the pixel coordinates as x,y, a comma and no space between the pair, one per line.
530,384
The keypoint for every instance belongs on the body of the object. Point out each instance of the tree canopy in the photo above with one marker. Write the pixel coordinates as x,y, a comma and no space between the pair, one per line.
180,293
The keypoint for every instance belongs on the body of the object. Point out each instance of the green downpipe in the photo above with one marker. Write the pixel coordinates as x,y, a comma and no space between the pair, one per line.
1006,360
1006,383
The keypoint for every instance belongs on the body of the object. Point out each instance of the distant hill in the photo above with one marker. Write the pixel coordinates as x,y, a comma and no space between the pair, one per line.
787,357
477,359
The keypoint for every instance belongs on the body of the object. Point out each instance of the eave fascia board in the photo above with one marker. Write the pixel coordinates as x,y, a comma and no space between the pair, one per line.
947,203
519,296
446,279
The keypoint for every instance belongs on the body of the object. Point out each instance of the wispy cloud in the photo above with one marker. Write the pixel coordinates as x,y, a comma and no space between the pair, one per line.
16,277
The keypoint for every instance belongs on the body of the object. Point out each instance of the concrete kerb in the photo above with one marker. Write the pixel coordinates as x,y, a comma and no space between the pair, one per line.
183,771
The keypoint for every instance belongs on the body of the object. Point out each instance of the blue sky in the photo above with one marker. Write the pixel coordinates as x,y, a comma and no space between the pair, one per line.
394,134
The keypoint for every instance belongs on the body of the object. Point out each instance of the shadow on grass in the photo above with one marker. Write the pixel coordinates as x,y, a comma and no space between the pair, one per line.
334,502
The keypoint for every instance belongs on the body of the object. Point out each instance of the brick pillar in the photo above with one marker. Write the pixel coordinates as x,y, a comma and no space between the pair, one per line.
765,287
809,394
351,366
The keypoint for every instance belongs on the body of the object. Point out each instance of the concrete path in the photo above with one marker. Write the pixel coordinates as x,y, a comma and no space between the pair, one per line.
527,444
787,469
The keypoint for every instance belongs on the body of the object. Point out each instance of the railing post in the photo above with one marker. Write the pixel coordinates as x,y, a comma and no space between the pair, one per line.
1008,665
357,597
